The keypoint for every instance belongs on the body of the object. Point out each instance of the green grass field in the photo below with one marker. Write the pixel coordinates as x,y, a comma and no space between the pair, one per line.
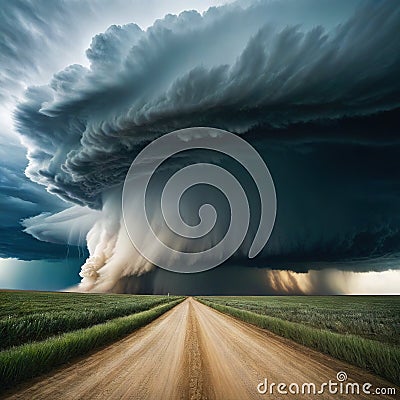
31,316
362,330
42,330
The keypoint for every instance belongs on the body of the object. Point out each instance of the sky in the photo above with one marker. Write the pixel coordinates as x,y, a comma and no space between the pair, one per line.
311,85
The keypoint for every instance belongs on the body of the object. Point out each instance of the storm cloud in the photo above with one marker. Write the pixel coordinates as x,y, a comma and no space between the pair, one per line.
39,38
320,104
228,68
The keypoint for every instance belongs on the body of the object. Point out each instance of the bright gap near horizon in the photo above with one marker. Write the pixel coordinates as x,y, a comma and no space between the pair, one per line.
13,277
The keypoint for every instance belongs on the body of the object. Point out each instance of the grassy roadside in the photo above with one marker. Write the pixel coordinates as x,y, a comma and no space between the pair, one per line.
29,317
380,358
32,359
371,317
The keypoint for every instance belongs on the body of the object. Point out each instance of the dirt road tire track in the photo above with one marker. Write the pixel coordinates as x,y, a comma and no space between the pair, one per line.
192,352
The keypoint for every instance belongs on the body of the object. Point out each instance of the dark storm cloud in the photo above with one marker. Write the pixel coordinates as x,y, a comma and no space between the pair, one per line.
14,243
302,96
226,68
234,280
338,194
20,198
35,37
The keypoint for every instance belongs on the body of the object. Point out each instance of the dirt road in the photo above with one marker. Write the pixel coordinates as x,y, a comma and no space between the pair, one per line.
194,352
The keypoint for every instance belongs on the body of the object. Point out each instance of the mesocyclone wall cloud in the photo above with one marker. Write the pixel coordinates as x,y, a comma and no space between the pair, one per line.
235,68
